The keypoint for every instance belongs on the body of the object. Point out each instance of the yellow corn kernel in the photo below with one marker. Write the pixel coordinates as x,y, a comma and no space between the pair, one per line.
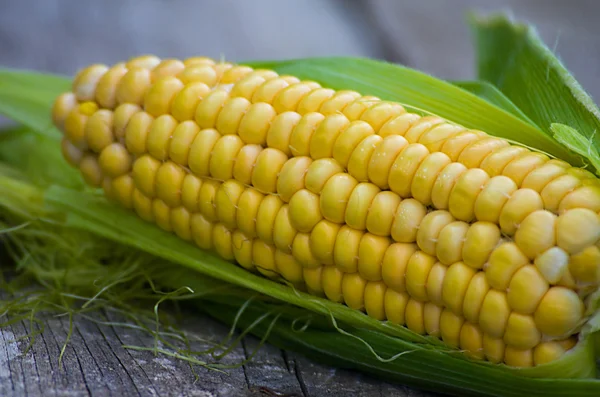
267,91
332,283
226,202
521,332
520,167
547,352
407,219
349,139
522,203
266,170
577,229
587,196
362,156
335,195
450,327
480,241
371,253
322,241
98,130
455,285
180,220
542,175
167,68
221,238
435,283
123,187
201,151
289,98
384,155
242,249
265,217
305,210
115,160
255,124
289,268
346,249
302,252
494,313
133,86
455,145
380,215
106,88
422,126
526,289
162,215
450,241
417,270
319,173
263,256
198,73
71,153
91,170
283,231
74,128
202,231
62,106
181,141
143,61
206,199
431,319
314,100
280,131
245,162
247,211
142,205
353,290
395,306
474,297
323,139
471,341
493,197
395,262
404,168
444,183
430,228
291,176
313,280
414,316
426,175
555,191
136,130
476,152
144,174
338,102
552,264
518,357
223,156
469,185
537,233
498,159
585,265
187,99
504,262
559,312
209,108
85,82
359,204
493,348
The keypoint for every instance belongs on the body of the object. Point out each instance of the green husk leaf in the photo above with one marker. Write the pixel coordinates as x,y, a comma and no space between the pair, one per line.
493,95
421,92
513,58
575,141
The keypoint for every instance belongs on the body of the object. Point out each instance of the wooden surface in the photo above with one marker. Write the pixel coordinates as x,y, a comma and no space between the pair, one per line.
95,363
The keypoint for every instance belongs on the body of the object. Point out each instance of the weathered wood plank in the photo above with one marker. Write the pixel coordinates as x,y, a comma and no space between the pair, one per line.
96,364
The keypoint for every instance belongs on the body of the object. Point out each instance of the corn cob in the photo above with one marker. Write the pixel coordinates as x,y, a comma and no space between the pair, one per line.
453,233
